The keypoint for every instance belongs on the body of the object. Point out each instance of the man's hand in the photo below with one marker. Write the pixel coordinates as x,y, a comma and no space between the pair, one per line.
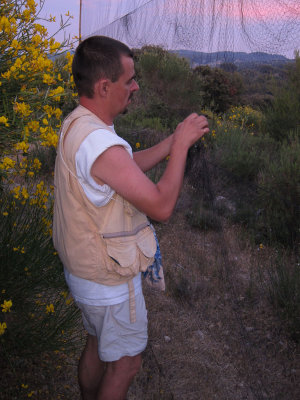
190,130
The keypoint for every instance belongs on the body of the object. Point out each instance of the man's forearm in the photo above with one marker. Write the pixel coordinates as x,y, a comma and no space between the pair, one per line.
147,159
170,183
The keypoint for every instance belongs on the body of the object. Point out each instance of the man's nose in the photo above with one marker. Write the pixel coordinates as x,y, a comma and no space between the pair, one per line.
134,86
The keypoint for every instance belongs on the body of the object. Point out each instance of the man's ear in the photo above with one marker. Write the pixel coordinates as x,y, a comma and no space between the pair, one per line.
102,87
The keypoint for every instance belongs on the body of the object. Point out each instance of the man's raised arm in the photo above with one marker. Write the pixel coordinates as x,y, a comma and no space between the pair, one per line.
118,170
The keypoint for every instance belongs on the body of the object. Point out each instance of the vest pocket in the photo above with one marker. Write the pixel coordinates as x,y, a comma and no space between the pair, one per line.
131,254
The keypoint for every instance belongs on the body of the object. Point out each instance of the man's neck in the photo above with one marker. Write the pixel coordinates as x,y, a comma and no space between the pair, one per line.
96,109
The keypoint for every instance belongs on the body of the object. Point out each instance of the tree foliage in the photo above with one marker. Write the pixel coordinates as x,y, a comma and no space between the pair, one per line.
220,89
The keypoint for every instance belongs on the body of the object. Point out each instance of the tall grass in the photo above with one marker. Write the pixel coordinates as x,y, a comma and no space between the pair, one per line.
283,287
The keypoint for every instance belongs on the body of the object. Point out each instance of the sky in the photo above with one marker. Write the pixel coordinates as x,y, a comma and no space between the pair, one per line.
59,8
267,10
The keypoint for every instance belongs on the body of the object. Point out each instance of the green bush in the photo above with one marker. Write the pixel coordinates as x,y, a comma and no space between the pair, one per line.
279,192
219,89
240,153
168,87
283,115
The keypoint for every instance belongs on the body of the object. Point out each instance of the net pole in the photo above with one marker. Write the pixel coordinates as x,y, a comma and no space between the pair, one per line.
80,9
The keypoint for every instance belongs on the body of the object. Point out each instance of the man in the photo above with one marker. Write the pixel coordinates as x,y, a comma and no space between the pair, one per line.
102,198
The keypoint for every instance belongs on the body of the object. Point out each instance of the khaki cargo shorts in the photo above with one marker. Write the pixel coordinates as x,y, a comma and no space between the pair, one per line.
117,337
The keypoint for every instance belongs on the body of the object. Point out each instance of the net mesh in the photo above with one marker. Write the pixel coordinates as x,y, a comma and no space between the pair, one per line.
271,26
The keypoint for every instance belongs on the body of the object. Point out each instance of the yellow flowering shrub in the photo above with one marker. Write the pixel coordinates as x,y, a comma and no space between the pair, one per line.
245,117
32,83
36,90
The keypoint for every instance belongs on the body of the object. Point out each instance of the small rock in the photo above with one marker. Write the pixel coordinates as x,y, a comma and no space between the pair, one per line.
221,203
249,329
167,339
293,371
200,334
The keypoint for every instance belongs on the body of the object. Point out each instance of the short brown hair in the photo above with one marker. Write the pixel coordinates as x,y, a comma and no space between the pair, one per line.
95,58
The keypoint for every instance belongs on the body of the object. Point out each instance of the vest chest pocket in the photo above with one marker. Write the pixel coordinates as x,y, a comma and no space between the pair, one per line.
131,254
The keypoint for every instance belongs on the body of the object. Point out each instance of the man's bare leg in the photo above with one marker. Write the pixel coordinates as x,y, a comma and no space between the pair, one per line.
90,370
118,377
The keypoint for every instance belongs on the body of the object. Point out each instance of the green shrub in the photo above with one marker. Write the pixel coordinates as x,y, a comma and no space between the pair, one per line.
219,89
279,192
283,115
168,87
239,152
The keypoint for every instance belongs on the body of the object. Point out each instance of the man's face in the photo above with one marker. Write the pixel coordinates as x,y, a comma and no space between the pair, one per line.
122,90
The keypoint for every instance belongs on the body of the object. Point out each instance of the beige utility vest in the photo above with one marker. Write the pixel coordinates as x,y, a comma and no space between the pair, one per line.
108,244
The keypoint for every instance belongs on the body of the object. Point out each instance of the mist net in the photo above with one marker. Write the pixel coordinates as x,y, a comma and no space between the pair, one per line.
271,26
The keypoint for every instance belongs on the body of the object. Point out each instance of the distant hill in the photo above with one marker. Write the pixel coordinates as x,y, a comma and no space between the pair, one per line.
237,58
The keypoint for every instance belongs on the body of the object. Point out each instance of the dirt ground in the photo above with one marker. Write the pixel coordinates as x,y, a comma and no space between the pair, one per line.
212,333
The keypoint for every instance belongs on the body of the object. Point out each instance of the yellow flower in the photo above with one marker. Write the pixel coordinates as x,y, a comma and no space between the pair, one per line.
50,308
22,146
26,15
56,93
41,29
48,79
5,213
24,386
6,75
7,163
16,45
3,120
33,125
3,326
37,164
25,193
4,24
138,145
6,306
22,108
261,246
16,191
57,113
